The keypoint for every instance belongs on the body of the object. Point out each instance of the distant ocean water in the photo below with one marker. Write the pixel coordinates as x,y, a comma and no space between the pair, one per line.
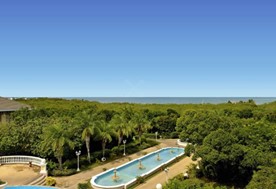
176,100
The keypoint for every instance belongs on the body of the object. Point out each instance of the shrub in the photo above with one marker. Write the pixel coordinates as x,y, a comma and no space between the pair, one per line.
69,164
2,182
189,150
113,155
117,150
97,155
194,158
144,146
50,181
174,135
84,186
144,153
143,139
98,162
152,142
107,152
132,148
140,179
149,135
51,165
72,164
65,172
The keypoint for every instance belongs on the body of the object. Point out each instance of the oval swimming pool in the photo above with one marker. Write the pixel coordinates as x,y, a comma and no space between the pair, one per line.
126,174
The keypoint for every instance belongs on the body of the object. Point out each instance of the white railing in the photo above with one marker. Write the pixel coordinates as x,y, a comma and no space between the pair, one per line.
25,160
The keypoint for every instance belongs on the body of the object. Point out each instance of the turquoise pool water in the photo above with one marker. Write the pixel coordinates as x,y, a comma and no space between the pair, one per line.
28,187
129,171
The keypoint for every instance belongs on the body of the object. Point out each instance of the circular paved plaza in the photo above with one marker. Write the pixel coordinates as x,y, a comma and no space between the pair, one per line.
19,174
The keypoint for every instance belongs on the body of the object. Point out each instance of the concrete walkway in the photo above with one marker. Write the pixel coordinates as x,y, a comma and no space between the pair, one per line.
71,182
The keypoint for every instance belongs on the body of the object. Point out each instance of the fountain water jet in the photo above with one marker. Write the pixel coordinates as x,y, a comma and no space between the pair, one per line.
115,177
158,157
140,165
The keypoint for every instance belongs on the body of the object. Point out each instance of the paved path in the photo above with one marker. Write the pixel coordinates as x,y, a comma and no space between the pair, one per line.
71,182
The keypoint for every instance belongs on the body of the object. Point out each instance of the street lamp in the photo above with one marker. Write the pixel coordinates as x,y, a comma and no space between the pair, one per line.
167,172
186,175
124,141
158,186
78,153
156,133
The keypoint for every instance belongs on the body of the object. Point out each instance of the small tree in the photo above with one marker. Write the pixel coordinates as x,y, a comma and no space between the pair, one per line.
140,123
106,131
56,137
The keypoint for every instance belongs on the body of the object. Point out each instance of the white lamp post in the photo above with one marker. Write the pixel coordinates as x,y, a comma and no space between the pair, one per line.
158,186
124,141
156,133
78,153
186,176
167,172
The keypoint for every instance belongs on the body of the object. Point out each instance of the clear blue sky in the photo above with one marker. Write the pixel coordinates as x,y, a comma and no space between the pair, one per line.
137,48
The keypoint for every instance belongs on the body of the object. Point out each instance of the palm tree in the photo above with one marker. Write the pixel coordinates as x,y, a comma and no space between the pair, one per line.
89,123
56,137
122,127
106,131
140,123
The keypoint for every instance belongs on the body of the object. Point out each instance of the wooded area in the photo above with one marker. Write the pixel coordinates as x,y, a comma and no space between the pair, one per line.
236,142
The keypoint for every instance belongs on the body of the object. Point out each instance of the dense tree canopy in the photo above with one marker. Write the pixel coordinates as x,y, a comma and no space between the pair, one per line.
236,142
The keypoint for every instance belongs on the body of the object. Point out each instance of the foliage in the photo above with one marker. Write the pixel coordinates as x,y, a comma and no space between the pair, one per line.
140,123
189,149
88,122
263,178
234,156
140,179
149,135
2,182
174,134
234,141
50,181
194,126
105,133
117,150
64,172
84,185
55,138
121,123
179,183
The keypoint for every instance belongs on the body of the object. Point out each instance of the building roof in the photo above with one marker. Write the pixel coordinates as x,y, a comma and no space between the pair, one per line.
7,105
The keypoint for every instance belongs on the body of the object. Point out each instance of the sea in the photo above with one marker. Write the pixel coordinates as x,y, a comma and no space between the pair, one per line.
176,100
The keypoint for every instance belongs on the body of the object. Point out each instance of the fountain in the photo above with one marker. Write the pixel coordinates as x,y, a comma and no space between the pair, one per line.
140,165
115,177
128,173
172,151
158,157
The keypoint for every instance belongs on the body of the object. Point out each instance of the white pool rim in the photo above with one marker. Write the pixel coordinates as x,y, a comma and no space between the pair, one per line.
97,186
